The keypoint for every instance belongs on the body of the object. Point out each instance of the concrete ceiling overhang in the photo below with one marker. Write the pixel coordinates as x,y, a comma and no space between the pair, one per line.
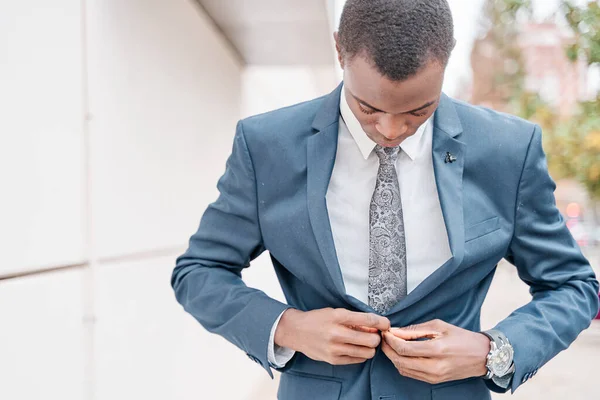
275,32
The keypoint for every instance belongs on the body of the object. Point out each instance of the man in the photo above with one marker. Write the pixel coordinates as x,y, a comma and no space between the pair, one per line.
388,205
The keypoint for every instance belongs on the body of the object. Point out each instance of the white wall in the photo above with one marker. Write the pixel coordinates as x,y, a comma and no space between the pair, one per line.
266,88
41,179
164,101
119,116
41,337
147,348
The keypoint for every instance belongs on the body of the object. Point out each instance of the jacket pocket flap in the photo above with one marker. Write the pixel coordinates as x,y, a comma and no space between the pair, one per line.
295,385
482,228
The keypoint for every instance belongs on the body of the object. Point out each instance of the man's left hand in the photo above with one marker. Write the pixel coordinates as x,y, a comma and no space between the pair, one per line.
451,353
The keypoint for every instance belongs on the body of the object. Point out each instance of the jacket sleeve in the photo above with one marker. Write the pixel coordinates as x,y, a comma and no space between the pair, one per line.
207,277
562,283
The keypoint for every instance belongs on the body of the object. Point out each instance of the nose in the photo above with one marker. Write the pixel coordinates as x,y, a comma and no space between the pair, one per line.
392,127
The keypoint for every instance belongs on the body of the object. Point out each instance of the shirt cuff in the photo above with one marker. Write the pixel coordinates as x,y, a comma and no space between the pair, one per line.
278,356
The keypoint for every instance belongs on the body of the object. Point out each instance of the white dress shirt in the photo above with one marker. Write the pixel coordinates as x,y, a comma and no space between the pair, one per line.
350,190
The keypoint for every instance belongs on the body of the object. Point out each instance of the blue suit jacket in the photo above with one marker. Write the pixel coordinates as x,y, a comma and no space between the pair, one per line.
497,201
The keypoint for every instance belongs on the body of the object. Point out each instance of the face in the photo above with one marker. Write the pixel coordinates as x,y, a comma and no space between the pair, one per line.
390,111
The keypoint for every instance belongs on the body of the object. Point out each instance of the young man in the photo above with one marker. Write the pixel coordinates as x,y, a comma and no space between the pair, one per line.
388,205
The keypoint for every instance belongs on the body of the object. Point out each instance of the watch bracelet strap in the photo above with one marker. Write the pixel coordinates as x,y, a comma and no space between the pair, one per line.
502,381
496,336
505,381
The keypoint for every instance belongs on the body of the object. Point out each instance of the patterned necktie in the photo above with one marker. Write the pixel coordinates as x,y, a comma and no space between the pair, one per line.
387,244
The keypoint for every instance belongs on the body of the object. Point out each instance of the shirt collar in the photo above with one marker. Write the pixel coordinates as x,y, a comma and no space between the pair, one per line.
410,145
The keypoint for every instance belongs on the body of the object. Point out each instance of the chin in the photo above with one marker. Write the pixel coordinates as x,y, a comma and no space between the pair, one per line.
393,143
381,141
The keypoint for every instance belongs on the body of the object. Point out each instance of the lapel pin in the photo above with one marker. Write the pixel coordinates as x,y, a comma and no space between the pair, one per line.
450,158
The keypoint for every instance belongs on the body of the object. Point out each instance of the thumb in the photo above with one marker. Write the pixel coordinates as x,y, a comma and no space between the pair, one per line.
429,329
405,334
364,329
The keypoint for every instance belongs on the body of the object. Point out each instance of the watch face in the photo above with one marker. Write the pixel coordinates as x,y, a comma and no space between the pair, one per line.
501,360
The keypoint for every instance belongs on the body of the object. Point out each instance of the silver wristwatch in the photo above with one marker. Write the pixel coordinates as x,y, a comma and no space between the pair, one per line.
500,363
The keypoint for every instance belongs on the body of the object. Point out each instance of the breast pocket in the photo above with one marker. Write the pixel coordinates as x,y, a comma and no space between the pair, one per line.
482,228
301,386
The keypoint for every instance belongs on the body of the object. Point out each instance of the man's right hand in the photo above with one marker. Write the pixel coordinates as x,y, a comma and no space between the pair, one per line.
336,336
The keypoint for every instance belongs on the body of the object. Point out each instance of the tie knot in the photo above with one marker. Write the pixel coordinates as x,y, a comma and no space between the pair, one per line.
387,155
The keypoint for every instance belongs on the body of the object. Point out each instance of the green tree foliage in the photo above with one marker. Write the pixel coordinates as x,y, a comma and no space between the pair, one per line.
572,144
585,25
578,137
502,78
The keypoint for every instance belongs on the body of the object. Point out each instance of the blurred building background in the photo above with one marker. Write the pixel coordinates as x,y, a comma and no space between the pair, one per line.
118,116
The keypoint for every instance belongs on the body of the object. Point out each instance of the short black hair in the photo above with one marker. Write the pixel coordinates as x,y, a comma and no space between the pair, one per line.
398,36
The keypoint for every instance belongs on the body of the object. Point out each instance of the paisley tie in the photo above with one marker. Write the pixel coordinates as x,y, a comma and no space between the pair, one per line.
387,244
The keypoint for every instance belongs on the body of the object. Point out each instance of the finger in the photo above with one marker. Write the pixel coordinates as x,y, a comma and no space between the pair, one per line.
361,338
370,320
410,367
409,349
346,360
355,351
414,334
392,355
420,376
427,366
389,352
364,329
435,325
424,369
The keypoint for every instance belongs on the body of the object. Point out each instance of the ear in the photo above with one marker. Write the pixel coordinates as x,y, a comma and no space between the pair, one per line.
338,50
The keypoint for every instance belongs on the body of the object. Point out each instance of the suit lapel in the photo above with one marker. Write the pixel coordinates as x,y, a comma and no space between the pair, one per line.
448,177
321,152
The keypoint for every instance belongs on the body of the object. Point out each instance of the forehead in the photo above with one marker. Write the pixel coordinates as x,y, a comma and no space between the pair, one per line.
364,81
